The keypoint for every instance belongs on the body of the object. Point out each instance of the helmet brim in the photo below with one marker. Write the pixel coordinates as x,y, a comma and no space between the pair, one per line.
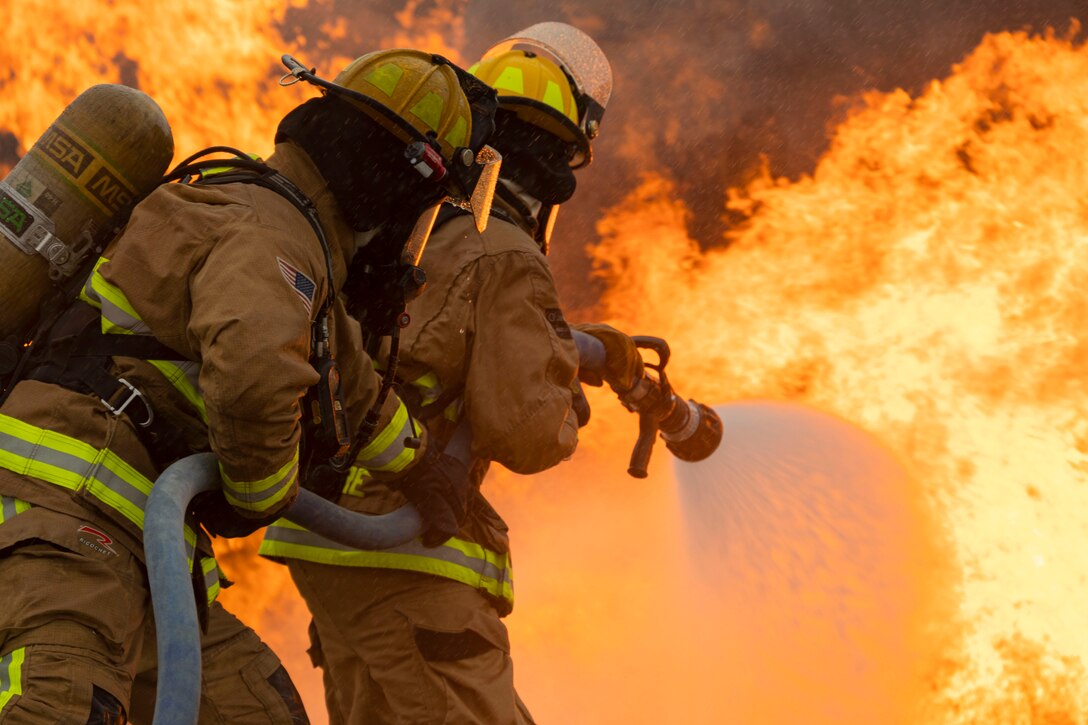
545,117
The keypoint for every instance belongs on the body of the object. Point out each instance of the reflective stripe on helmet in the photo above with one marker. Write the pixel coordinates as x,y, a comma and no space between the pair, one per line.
10,507
11,676
261,495
70,463
119,317
457,559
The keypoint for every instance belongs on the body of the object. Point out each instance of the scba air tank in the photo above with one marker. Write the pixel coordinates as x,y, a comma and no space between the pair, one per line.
70,193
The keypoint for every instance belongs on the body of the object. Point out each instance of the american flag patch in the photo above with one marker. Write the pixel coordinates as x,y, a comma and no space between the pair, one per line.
303,286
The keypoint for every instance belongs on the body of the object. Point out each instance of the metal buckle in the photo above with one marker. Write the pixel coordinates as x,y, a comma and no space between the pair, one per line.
33,232
133,394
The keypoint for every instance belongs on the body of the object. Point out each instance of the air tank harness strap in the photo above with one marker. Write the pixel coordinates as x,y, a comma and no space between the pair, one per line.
77,355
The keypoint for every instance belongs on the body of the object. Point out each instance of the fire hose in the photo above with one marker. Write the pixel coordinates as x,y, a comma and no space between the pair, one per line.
691,431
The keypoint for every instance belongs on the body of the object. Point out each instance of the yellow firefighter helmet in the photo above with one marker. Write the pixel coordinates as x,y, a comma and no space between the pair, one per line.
553,76
410,89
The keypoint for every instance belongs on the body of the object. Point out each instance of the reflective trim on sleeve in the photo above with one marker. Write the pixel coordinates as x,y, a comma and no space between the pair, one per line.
211,578
117,311
70,463
457,559
11,676
184,375
428,386
119,317
10,507
387,452
263,494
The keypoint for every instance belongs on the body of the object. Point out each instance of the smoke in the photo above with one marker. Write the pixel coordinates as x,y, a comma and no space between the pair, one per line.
706,91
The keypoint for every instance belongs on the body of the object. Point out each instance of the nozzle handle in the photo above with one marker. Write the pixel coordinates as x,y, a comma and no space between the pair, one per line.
644,446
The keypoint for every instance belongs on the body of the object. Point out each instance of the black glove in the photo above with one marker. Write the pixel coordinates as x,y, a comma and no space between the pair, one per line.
439,488
212,510
578,403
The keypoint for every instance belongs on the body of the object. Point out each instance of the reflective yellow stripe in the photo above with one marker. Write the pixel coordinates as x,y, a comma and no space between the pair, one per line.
387,451
458,134
457,559
178,377
428,387
553,97
511,79
429,110
385,438
386,77
97,285
119,317
11,676
10,507
263,494
211,578
70,463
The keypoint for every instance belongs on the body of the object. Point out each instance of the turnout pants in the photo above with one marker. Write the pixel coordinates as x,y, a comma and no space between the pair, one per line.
77,639
403,647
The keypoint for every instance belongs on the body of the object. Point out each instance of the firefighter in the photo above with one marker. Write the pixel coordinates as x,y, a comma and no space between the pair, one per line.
413,634
196,331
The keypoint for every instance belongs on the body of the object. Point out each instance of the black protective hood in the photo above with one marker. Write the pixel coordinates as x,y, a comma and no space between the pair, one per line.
362,162
537,160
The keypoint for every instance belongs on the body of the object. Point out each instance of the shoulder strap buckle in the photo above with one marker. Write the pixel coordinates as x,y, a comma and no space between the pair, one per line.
133,394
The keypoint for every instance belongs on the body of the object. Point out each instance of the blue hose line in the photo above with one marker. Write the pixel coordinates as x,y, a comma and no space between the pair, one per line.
591,352
177,629
359,531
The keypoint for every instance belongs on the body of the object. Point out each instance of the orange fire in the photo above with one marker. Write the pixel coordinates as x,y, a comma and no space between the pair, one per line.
924,283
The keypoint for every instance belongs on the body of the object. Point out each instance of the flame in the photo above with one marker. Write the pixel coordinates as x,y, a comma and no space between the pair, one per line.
924,284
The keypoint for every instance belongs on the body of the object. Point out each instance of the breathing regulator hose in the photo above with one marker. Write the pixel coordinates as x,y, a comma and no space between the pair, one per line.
691,430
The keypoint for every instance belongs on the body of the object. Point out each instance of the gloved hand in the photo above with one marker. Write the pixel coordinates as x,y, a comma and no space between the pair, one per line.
439,488
623,363
212,510
579,404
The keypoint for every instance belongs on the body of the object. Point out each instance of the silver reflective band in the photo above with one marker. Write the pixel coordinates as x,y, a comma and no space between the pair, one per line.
689,428
38,237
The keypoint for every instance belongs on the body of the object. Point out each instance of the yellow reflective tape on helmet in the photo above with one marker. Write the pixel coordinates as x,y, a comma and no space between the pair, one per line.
262,494
553,96
511,79
458,135
385,78
11,675
429,110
